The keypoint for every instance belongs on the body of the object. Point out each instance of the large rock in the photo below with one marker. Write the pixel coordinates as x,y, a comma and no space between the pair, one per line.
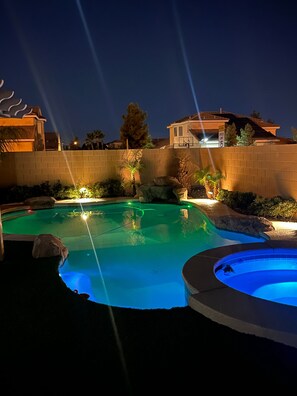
41,202
150,193
47,245
163,188
251,225
180,193
166,181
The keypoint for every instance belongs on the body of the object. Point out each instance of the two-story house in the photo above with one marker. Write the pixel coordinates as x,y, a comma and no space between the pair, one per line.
29,123
207,129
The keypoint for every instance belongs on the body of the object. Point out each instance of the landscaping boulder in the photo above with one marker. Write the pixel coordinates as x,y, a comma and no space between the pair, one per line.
251,225
166,181
180,193
47,245
42,202
163,188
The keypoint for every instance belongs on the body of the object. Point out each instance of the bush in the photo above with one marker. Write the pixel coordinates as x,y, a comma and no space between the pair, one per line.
107,188
276,207
252,204
239,201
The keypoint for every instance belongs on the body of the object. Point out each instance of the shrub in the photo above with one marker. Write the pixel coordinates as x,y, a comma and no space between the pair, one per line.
210,180
239,201
252,204
108,188
276,207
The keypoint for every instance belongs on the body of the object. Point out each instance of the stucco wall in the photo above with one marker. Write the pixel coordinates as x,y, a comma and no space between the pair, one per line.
265,170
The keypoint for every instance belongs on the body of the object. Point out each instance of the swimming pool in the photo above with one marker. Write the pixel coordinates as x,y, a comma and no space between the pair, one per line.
269,274
127,254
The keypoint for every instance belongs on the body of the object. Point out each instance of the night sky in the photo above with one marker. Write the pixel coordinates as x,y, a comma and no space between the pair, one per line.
84,61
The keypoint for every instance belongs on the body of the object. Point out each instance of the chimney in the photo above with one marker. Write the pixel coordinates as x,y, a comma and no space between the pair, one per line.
221,110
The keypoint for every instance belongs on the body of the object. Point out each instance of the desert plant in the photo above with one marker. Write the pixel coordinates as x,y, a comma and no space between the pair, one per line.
132,162
210,180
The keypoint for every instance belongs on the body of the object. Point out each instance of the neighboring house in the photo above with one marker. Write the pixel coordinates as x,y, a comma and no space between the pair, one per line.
31,130
52,141
206,129
160,143
28,120
115,144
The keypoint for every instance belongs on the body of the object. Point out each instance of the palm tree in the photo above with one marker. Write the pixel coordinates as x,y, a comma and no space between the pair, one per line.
215,182
132,162
95,139
210,181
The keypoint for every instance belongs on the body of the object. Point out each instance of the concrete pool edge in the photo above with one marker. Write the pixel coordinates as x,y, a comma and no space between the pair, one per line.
234,309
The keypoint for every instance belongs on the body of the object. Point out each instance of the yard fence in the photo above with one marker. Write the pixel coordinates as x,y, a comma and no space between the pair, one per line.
268,170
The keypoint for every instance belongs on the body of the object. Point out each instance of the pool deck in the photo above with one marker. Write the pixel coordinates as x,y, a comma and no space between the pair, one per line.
229,307
213,299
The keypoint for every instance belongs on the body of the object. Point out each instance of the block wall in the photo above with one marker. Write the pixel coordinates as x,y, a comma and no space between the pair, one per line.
265,170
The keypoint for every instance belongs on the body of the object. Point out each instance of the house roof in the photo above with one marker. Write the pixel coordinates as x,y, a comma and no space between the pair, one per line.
9,103
6,95
14,107
203,116
229,118
241,120
34,111
14,110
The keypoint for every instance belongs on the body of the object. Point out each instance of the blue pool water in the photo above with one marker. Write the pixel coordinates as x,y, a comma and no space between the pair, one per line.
270,274
127,254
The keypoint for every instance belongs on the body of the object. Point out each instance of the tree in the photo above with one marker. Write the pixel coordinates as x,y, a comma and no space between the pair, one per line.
231,135
134,132
246,136
94,140
149,144
9,136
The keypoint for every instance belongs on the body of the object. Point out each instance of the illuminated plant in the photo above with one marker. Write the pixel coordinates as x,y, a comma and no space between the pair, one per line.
132,162
210,180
